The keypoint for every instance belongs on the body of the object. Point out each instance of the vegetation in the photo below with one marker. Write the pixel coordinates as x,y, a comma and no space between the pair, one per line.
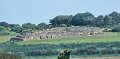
64,55
116,29
106,37
108,43
87,19
99,48
80,19
9,56
5,38
91,45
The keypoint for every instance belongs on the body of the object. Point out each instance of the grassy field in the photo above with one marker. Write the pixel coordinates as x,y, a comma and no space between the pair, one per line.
75,57
5,38
99,58
106,37
83,58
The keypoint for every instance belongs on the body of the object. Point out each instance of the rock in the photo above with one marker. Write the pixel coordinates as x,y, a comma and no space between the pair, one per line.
61,32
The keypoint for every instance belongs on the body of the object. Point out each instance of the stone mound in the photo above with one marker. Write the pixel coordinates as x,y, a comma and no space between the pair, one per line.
64,31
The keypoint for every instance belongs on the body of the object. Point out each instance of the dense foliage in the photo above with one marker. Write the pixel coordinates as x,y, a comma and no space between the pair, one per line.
80,19
4,31
100,48
116,29
87,19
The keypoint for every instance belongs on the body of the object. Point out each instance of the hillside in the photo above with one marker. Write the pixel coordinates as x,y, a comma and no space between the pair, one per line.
106,37
5,38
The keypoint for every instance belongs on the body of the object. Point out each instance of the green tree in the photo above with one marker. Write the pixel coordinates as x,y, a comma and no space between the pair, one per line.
26,26
99,21
15,28
116,17
108,21
116,29
2,28
83,19
61,19
42,26
4,24
4,31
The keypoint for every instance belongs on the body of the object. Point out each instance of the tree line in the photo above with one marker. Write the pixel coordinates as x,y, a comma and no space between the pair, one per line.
111,20
87,19
6,29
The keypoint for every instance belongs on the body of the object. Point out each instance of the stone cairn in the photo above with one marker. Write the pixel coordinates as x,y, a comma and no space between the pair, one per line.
62,32
59,32
64,55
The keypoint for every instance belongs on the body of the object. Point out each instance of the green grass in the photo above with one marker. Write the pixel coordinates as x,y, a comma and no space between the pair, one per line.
106,37
72,56
5,38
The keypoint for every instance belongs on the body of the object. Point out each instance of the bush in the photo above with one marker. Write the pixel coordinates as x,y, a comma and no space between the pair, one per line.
10,56
116,29
107,30
4,33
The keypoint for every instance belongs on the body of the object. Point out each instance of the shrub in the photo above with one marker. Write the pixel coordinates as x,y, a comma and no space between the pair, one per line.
116,29
4,33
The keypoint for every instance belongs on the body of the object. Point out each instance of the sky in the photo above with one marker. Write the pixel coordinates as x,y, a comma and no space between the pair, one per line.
37,11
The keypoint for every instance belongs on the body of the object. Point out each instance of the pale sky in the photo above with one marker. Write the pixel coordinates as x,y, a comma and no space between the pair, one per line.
37,11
